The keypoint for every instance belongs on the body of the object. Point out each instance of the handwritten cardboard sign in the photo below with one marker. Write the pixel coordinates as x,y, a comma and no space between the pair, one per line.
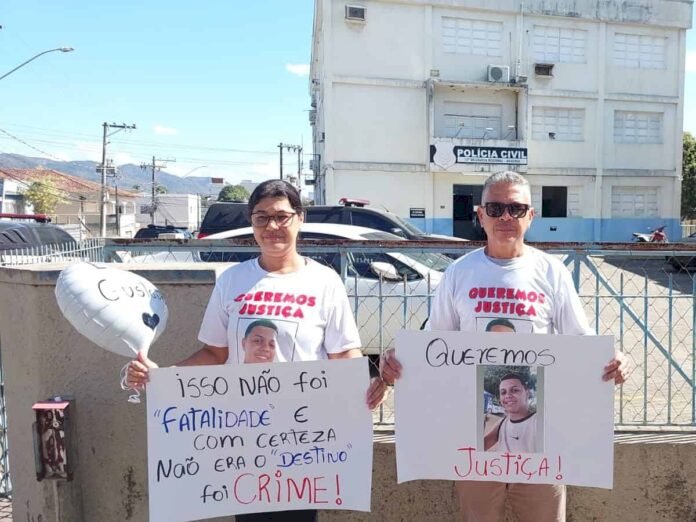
252,438
504,407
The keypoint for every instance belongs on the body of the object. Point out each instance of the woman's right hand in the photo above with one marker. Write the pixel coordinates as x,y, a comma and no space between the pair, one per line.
138,372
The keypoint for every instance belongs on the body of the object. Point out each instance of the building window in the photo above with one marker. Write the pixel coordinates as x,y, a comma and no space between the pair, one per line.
471,120
557,45
637,127
477,37
640,51
554,202
559,124
634,201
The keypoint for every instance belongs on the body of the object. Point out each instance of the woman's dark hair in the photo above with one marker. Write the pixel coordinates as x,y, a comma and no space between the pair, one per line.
275,188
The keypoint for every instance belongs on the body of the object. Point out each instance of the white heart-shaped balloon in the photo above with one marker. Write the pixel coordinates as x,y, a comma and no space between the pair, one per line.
115,309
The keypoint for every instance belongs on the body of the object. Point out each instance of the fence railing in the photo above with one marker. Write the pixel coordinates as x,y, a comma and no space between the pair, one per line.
87,250
642,294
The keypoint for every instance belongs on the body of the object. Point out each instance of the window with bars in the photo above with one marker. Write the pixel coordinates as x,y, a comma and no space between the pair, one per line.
636,51
472,121
637,127
634,201
557,123
559,45
472,37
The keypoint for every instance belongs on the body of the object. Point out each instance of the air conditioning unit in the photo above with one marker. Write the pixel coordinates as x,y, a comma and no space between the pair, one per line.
312,116
543,69
355,13
499,73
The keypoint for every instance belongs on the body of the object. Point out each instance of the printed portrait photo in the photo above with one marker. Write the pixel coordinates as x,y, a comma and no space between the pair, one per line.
511,412
264,340
503,325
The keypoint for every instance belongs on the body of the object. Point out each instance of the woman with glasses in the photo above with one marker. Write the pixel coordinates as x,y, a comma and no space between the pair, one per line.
304,302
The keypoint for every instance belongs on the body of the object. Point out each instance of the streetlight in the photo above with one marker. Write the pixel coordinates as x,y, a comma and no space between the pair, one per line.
61,49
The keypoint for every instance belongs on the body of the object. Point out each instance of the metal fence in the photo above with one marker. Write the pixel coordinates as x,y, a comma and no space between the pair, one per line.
87,250
642,294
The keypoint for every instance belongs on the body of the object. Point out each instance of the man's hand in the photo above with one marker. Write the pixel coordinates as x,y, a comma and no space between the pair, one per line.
389,366
376,392
617,369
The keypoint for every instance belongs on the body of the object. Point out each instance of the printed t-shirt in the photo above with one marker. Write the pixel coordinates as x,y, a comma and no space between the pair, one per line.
533,292
309,308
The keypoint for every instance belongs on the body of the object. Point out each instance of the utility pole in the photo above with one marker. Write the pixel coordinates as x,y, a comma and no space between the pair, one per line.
155,166
104,167
289,148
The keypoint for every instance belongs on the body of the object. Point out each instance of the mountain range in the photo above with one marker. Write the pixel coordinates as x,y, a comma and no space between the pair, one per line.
130,177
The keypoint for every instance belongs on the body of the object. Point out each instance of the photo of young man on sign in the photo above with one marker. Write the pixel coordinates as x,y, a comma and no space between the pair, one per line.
511,405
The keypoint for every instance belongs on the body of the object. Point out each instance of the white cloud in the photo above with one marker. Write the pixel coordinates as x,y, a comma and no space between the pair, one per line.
165,131
299,69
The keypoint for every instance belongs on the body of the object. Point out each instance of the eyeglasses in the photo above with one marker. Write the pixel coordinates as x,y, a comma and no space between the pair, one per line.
516,210
281,220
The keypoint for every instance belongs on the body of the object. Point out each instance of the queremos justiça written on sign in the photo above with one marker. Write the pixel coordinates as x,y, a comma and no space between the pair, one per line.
477,154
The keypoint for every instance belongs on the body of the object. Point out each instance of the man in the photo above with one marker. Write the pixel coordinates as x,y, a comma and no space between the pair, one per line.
517,431
500,326
260,341
526,284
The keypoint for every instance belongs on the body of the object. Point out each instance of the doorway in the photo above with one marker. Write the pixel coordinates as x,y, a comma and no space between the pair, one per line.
464,200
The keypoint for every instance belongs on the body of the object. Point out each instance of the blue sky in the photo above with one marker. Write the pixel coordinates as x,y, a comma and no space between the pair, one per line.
201,81
215,84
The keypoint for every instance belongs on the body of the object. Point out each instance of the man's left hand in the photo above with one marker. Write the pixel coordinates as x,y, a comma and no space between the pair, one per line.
617,369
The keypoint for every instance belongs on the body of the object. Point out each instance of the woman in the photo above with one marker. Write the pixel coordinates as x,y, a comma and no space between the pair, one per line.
302,305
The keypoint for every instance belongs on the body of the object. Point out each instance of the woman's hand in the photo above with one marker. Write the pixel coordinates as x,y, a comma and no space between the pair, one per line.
376,392
138,372
389,366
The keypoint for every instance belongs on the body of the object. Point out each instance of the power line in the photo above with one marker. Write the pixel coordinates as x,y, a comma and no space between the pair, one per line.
29,145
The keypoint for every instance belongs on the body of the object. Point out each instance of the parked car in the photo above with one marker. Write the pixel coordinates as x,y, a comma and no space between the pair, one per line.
32,239
158,231
229,216
403,280
684,262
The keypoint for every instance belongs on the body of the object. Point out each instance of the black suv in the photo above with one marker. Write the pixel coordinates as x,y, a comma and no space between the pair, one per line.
16,235
230,216
155,231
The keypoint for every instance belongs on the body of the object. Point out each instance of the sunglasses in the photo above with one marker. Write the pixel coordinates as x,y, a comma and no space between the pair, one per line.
516,210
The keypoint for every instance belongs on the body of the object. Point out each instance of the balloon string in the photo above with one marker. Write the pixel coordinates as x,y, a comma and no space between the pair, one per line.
134,398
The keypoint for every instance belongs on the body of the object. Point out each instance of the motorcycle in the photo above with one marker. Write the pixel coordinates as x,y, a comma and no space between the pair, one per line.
656,236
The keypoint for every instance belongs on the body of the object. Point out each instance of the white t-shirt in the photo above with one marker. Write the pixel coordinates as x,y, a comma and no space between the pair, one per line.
534,293
309,308
518,436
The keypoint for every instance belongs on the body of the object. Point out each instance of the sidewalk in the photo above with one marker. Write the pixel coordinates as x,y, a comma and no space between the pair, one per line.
5,510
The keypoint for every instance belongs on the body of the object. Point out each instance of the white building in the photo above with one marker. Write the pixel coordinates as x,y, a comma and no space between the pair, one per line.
415,102
178,210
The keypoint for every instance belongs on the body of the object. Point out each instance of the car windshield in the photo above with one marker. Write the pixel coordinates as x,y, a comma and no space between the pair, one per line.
412,229
432,260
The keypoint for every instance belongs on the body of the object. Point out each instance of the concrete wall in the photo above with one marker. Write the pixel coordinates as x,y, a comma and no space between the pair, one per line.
655,475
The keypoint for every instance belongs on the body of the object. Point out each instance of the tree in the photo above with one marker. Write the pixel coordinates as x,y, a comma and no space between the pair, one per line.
137,187
43,196
233,193
688,202
160,189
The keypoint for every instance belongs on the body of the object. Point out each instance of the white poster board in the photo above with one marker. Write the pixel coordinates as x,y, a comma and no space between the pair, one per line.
443,411
232,439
